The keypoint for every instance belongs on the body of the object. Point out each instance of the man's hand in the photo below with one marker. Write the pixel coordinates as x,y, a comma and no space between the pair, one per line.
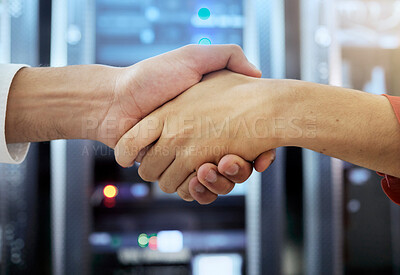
145,86
202,125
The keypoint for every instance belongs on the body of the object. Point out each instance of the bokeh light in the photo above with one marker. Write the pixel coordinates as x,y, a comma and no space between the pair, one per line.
109,202
170,241
205,41
116,242
204,13
153,242
140,190
110,191
143,240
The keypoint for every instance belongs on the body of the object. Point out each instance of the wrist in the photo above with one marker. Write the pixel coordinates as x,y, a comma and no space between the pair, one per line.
54,103
303,112
282,106
298,112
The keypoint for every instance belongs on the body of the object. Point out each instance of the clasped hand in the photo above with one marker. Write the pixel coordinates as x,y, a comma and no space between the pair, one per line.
213,119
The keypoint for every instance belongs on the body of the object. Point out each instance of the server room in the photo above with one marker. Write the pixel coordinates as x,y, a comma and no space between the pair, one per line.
86,84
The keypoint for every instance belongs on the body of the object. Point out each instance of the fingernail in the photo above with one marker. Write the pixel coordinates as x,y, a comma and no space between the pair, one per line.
233,170
211,176
200,189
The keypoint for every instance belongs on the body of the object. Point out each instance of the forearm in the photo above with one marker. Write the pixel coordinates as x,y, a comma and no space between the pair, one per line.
53,103
350,125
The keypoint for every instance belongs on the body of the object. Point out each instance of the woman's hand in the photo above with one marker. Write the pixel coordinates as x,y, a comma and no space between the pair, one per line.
231,169
233,114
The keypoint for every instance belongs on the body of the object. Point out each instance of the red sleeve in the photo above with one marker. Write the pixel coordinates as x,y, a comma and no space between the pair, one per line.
395,101
391,185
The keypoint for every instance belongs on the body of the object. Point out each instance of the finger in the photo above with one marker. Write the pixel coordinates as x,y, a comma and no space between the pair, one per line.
235,168
141,135
169,74
183,189
211,58
200,193
174,176
264,160
209,176
157,160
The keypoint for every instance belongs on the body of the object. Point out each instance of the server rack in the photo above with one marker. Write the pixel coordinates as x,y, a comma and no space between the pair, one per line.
323,190
369,63
265,208
73,42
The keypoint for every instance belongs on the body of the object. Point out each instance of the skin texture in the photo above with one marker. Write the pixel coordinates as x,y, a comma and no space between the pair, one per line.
102,103
263,114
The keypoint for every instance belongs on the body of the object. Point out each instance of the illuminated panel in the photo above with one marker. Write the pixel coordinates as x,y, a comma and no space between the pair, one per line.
217,264
170,241
130,31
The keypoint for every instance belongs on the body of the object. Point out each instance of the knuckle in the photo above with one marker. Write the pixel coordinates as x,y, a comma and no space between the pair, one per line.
189,48
236,48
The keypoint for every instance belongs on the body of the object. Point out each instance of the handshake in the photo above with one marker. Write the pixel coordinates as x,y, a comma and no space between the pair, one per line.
199,118
192,143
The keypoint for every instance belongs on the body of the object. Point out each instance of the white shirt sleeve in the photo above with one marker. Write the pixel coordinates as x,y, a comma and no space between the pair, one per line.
11,153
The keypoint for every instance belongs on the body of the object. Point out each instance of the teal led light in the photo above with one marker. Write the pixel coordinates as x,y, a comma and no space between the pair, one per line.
204,13
205,41
143,240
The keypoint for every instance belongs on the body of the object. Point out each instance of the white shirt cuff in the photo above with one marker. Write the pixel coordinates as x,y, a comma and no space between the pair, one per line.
9,153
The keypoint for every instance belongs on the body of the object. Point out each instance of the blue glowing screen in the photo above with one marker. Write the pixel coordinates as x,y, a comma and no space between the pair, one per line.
128,31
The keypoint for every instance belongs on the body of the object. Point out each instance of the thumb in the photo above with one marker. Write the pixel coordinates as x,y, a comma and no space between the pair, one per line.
136,139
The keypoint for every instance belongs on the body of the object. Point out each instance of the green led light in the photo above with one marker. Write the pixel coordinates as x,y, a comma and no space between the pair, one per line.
204,13
143,240
205,41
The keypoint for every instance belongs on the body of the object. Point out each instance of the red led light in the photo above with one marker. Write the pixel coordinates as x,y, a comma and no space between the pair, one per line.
153,243
109,202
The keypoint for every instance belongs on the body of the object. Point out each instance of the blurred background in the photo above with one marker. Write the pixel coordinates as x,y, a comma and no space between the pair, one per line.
69,209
